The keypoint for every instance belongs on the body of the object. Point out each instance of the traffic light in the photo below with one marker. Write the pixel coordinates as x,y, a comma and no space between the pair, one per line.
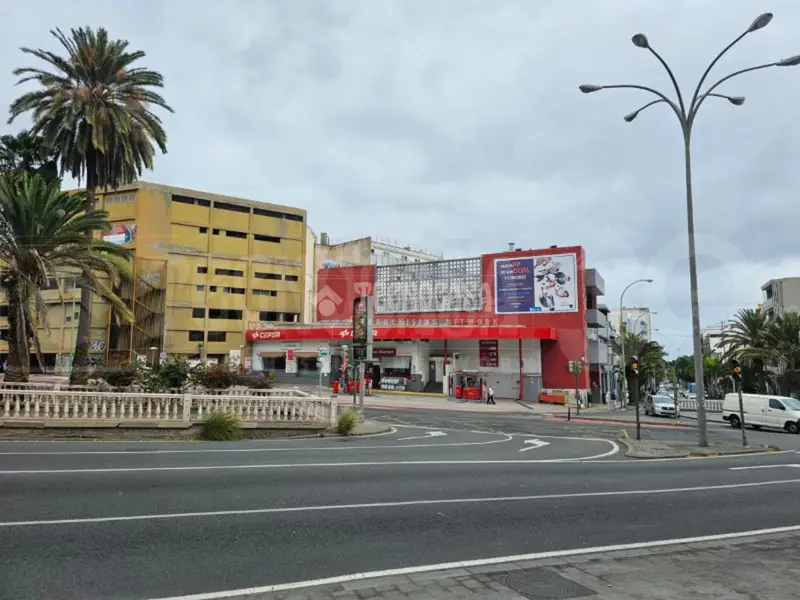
736,370
632,368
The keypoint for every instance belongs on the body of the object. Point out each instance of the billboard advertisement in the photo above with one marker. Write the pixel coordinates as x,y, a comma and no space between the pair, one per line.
121,234
536,284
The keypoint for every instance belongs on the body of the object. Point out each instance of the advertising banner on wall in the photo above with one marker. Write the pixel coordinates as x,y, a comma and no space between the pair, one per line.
121,234
536,284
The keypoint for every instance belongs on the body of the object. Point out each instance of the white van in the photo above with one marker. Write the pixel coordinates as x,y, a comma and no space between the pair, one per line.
777,412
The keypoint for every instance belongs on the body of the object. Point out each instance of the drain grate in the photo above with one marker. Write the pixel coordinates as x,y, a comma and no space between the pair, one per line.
542,584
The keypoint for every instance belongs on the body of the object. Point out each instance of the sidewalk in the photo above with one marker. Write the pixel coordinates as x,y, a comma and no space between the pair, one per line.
401,401
645,449
733,569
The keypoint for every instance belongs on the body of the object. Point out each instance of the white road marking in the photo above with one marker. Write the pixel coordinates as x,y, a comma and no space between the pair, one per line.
506,438
481,562
763,467
533,444
360,506
694,458
428,434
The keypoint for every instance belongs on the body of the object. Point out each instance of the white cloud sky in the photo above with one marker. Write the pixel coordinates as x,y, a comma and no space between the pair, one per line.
456,125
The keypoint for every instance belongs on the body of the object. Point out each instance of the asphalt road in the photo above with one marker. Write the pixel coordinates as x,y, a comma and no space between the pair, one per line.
117,520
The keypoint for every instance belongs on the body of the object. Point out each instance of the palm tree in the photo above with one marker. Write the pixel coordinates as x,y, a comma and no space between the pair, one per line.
651,357
93,108
747,339
45,234
26,152
783,345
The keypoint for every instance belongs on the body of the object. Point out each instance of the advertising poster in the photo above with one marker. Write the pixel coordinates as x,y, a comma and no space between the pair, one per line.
555,283
536,284
513,285
121,234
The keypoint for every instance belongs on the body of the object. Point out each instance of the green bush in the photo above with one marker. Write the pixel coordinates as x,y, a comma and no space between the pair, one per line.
347,422
220,426
215,376
258,381
172,374
115,375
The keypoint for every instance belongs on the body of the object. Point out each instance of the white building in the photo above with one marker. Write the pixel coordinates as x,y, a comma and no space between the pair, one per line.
634,319
712,338
367,251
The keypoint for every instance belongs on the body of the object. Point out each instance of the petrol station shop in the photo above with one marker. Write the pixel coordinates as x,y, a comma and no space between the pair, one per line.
410,358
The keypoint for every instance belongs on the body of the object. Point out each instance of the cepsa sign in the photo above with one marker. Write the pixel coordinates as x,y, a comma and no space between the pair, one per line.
256,335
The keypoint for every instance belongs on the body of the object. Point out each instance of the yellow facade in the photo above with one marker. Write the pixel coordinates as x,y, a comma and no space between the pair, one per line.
224,260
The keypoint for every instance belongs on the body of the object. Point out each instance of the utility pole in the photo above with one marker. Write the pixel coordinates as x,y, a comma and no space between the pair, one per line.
736,373
633,373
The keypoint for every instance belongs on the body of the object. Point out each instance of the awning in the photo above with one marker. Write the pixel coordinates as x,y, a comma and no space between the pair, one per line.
272,354
305,354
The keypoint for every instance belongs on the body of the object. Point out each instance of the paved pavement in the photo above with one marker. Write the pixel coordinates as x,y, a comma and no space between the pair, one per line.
138,521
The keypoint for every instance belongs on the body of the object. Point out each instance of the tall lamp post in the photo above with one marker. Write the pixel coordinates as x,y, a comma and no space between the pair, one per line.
624,399
687,113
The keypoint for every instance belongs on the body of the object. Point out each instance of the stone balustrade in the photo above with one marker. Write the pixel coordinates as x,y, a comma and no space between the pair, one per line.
42,407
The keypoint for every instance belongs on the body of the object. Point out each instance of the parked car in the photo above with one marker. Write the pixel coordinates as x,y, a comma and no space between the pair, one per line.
661,406
774,412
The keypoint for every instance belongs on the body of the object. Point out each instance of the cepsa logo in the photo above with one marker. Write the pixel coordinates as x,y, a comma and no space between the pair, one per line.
266,335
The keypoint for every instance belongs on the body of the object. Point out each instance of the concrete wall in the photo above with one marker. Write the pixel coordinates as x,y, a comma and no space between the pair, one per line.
355,252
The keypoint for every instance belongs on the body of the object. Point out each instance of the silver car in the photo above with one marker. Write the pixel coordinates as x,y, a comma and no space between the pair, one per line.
661,406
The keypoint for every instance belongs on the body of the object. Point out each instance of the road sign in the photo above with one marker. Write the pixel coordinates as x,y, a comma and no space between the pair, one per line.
322,352
163,356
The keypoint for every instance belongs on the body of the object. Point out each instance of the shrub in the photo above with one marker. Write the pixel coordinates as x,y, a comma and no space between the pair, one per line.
115,375
220,426
347,422
214,376
258,380
172,374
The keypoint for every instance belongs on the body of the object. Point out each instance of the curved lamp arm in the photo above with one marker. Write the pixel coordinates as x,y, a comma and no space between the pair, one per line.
735,100
672,78
759,22
588,89
703,97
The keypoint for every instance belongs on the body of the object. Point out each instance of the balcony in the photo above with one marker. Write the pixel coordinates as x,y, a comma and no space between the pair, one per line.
595,285
595,318
598,353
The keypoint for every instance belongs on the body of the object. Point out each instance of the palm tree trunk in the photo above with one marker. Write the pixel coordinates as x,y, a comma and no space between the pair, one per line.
80,358
18,354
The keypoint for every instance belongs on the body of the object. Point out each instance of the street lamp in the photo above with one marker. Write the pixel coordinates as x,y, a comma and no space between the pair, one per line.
687,113
154,349
624,399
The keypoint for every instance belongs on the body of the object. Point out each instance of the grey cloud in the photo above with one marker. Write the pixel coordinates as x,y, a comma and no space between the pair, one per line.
456,125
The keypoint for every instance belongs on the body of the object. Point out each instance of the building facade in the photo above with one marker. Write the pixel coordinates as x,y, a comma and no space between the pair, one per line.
780,296
634,319
204,265
367,251
713,340
516,319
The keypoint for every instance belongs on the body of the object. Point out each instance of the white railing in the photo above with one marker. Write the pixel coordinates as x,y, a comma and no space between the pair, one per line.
691,405
67,408
235,391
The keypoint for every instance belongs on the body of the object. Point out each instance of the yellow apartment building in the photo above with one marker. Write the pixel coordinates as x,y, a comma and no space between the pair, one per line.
204,266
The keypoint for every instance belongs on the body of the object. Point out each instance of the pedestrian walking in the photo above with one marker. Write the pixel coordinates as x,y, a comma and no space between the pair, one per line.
490,395
608,398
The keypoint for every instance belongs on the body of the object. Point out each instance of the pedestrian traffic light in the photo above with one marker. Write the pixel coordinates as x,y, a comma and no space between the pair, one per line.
736,370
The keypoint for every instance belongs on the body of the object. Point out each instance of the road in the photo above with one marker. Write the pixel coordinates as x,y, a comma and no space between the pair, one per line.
125,520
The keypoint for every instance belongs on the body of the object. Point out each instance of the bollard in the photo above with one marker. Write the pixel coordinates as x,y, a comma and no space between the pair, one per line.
569,413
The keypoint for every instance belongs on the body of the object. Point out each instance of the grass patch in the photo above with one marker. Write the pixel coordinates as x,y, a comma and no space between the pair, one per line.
624,435
347,422
220,427
773,448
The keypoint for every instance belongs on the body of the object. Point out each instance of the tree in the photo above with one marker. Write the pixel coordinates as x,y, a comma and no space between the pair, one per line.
652,365
783,346
26,152
746,339
93,109
684,368
45,234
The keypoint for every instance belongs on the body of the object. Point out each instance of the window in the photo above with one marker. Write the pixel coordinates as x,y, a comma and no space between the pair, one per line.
291,317
266,315
199,288
266,238
202,269
4,310
291,217
236,234
257,292
232,207
215,231
212,288
224,313
229,272
277,276
291,277
203,229
232,290
216,336
195,336
262,212
120,199
188,200
198,313
4,335
776,404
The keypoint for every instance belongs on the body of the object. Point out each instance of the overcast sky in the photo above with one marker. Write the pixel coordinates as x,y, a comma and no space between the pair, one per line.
457,126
